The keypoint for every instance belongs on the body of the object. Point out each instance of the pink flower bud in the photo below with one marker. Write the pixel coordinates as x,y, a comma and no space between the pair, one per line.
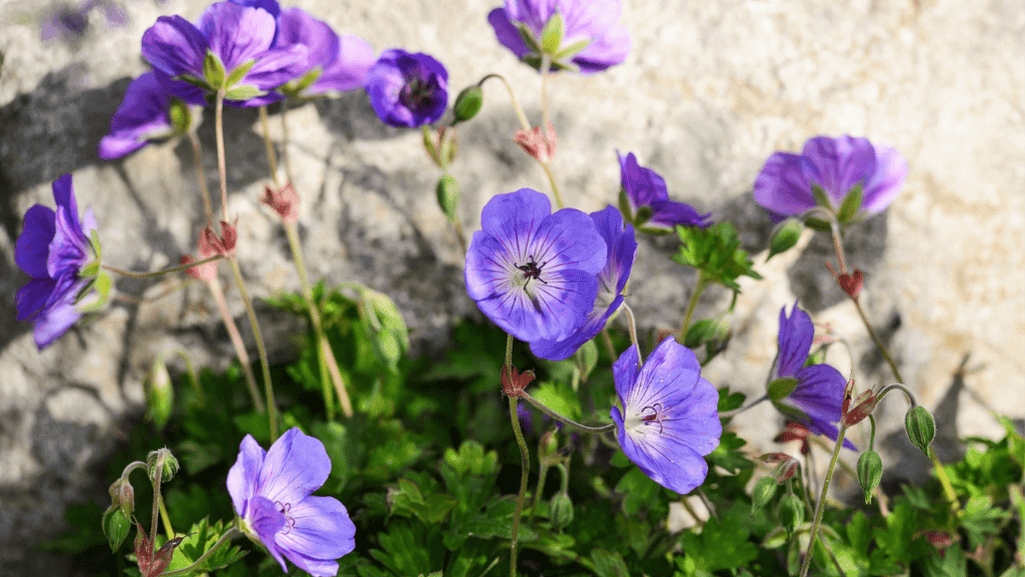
284,201
539,146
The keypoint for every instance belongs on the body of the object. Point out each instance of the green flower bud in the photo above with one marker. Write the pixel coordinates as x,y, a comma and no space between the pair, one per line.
161,462
122,496
115,527
561,511
763,492
448,196
791,513
468,103
159,394
921,427
870,472
785,236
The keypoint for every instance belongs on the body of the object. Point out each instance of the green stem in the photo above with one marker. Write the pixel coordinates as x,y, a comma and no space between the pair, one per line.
633,332
821,505
272,161
698,289
284,142
226,537
236,341
166,519
174,269
878,343
540,488
221,164
272,412
196,386
563,419
948,489
197,155
551,182
525,472
155,512
512,97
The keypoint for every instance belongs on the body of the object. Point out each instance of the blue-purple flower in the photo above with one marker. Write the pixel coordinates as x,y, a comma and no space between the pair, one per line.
645,200
271,493
669,419
145,115
590,38
611,281
810,395
230,50
407,89
54,248
532,272
333,63
836,166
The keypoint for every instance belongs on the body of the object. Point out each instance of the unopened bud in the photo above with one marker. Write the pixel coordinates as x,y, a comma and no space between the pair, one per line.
122,496
791,512
159,394
161,462
870,472
764,491
785,236
468,103
561,511
116,524
921,427
448,196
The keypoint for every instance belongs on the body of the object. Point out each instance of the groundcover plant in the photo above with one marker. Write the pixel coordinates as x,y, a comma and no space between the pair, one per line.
553,436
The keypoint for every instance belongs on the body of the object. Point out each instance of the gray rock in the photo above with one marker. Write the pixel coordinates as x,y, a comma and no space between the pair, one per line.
707,93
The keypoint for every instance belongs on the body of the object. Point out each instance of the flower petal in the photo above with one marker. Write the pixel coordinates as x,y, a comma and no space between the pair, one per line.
33,296
781,186
237,33
59,313
266,519
348,70
243,475
32,249
174,46
295,466
506,32
885,184
296,26
837,164
795,337
322,531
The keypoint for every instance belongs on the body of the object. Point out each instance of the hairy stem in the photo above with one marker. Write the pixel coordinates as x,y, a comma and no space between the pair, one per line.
821,505
236,342
272,412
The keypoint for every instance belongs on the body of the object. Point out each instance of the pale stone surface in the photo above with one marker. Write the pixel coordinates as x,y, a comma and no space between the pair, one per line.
707,93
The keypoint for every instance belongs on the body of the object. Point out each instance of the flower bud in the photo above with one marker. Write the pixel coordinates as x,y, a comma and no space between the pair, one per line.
548,446
448,196
763,492
791,512
785,236
115,526
122,496
159,394
468,103
561,511
161,462
921,427
870,472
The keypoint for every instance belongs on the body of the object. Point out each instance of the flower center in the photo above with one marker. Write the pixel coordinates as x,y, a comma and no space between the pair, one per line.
531,270
289,521
416,94
654,417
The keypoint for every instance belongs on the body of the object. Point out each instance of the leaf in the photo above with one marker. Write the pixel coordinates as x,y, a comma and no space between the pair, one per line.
721,544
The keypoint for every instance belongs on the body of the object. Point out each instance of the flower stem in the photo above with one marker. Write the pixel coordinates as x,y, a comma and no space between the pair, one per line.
821,505
878,343
204,190
272,161
221,164
525,472
565,420
633,332
236,342
512,97
284,142
698,289
551,182
272,413
540,488
323,346
166,519
174,269
226,537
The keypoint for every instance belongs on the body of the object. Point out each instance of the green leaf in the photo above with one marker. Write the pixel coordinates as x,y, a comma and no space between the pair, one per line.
200,538
608,564
638,491
715,252
238,73
721,544
558,397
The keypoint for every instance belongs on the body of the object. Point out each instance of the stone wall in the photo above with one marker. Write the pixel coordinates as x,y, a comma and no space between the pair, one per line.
709,90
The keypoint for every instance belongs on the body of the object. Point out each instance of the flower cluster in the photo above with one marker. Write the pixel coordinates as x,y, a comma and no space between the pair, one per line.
551,280
581,35
669,419
251,51
271,494
827,173
811,395
58,250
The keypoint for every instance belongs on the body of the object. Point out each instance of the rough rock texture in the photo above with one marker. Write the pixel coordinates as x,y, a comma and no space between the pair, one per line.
709,90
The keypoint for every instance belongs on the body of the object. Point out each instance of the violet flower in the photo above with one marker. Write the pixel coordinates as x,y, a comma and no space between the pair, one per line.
333,63
145,115
271,493
54,248
407,89
815,398
533,273
592,38
611,281
645,199
670,418
836,166
230,50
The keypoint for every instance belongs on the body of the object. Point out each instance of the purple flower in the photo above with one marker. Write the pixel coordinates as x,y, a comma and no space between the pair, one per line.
271,493
644,198
230,50
611,281
815,399
533,273
407,89
144,116
53,248
836,166
332,64
670,416
592,38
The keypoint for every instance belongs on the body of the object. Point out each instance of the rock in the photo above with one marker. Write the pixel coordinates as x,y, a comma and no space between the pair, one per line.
707,93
